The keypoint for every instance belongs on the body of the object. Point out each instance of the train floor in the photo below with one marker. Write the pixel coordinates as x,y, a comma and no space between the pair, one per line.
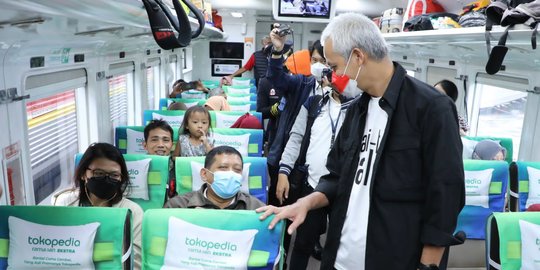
315,264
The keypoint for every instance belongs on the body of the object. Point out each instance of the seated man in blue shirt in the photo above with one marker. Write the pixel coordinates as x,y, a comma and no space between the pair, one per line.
222,174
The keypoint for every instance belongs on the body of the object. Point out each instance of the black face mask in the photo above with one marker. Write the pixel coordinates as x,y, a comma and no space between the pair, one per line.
103,187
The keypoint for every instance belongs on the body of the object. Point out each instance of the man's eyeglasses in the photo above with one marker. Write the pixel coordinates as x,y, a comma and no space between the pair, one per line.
102,173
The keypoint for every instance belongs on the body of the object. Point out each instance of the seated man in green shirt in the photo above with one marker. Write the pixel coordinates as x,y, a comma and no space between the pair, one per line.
222,174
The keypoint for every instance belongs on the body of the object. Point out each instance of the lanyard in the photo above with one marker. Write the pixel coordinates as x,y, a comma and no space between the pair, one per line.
317,86
334,125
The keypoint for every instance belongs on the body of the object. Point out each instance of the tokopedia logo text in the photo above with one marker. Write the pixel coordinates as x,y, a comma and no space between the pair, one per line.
53,242
473,181
228,143
196,242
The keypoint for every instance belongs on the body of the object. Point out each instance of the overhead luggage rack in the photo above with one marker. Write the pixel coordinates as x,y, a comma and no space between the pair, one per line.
465,44
459,35
129,13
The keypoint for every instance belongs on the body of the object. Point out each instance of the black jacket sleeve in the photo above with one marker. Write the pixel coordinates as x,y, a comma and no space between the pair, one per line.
286,83
443,168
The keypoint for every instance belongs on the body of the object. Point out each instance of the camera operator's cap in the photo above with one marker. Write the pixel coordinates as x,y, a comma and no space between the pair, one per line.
299,63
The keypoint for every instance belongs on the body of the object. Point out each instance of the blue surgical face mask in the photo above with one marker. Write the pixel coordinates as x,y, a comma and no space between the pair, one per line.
226,183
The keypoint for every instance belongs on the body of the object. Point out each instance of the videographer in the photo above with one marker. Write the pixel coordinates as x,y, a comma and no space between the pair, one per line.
259,59
268,96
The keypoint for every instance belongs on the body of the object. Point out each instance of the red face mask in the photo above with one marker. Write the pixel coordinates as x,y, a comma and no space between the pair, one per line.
340,81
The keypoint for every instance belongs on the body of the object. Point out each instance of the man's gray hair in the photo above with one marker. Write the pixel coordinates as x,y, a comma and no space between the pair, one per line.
352,30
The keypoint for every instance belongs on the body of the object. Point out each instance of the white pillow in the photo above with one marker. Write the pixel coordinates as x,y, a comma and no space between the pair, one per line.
240,108
530,245
37,246
534,186
138,177
191,104
240,82
225,120
193,94
173,121
246,98
477,187
190,246
241,91
468,147
135,141
238,142
197,181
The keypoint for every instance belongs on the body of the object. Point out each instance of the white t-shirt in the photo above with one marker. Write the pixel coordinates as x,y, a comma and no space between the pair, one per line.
321,135
352,248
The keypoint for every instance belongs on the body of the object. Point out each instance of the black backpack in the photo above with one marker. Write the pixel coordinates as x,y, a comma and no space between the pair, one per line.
423,21
509,13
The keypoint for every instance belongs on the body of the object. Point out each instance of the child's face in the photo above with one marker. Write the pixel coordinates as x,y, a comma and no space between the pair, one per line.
198,124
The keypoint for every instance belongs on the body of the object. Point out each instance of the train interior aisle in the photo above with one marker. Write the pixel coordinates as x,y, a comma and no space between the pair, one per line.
73,73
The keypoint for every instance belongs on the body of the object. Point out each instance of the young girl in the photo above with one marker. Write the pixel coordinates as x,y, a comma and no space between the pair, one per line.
193,139
100,180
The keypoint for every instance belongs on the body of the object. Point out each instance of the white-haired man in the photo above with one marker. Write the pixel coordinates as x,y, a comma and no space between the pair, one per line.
396,184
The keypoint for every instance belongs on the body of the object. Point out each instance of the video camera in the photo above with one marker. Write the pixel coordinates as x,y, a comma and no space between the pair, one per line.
283,29
189,85
327,72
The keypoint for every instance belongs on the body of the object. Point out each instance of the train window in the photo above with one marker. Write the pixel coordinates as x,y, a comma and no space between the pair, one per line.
152,83
53,141
410,72
121,97
53,129
118,101
500,113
